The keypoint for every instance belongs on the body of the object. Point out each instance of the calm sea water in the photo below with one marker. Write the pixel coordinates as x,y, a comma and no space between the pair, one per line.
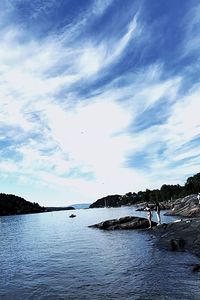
51,256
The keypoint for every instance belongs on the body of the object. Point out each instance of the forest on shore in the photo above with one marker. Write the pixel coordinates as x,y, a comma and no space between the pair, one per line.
14,205
167,192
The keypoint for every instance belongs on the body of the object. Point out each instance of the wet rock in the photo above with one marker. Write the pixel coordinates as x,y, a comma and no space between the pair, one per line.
181,243
178,244
128,222
196,268
179,236
174,245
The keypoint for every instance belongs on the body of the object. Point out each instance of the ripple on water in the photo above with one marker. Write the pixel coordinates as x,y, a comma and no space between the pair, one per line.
50,256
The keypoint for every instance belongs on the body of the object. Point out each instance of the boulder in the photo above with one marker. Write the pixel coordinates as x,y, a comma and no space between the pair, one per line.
185,207
196,268
179,235
127,222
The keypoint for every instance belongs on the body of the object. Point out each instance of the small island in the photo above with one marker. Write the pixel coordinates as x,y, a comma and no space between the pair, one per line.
57,208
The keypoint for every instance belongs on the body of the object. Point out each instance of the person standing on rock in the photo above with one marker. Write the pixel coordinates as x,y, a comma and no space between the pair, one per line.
198,198
157,208
149,214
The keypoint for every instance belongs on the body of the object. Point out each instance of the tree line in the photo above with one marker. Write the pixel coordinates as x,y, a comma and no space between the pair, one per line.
12,205
167,192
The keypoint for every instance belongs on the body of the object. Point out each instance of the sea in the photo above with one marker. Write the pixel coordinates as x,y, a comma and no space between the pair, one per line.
51,256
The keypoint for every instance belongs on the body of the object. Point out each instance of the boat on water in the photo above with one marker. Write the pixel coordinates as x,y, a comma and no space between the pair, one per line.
72,216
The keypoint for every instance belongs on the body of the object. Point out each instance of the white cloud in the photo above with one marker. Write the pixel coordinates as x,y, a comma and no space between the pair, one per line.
99,6
89,135
182,127
87,132
123,42
191,25
91,60
95,58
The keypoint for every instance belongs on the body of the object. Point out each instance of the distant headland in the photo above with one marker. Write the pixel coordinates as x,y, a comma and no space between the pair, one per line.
167,194
14,205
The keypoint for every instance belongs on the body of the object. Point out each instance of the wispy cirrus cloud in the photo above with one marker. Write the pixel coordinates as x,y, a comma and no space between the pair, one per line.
83,114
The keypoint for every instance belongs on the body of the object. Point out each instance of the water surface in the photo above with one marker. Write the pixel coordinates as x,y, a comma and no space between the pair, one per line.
51,256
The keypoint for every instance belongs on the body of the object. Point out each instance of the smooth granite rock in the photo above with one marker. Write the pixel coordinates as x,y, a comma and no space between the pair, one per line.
128,222
185,207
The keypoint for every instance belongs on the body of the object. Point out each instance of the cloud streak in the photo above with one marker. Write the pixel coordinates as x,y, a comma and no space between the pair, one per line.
85,115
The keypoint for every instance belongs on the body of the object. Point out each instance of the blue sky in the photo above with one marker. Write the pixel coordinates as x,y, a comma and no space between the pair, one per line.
97,97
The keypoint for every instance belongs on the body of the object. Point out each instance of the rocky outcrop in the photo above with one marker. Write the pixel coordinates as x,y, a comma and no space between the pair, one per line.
176,236
185,207
128,222
179,236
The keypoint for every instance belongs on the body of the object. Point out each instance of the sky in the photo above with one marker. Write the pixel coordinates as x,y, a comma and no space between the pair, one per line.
97,97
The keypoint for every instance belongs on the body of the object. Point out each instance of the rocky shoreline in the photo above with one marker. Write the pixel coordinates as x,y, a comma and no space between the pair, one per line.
188,207
176,236
179,236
